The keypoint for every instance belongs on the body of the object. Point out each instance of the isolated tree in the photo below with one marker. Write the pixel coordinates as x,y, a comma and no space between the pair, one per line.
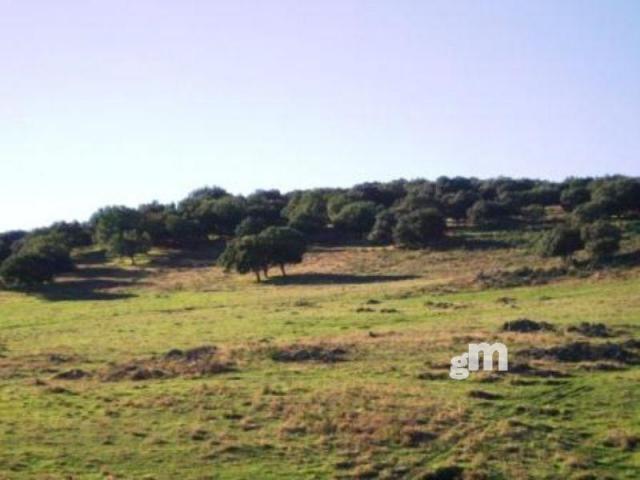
128,244
245,254
561,241
356,218
382,230
282,245
601,239
420,228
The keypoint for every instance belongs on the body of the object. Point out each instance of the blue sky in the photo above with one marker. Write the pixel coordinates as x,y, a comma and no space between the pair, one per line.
123,102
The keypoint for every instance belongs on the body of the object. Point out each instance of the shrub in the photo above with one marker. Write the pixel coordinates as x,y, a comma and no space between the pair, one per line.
129,243
591,211
572,197
601,239
420,228
250,226
533,213
561,241
110,221
26,269
356,217
487,213
382,231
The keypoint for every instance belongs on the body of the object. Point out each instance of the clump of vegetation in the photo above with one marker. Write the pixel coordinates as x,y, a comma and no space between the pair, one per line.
194,362
420,228
586,352
601,239
274,246
307,353
524,325
590,329
562,241
520,276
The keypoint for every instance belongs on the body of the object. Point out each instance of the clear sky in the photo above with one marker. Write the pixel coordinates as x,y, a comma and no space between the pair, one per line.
126,101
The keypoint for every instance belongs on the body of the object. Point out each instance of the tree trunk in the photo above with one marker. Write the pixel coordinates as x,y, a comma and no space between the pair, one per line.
284,273
265,270
133,260
257,272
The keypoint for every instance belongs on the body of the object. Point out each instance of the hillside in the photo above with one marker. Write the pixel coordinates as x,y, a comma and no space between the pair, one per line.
174,369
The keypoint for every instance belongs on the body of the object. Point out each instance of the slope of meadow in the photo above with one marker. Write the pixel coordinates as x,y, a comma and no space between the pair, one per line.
339,370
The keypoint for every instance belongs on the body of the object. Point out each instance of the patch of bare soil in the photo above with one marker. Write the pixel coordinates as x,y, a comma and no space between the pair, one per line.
524,325
309,353
482,395
527,370
195,362
519,277
73,374
37,364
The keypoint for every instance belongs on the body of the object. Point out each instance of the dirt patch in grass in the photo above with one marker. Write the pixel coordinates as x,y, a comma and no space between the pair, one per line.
444,305
195,362
527,370
413,437
586,352
587,329
524,325
73,374
309,353
519,277
482,395
38,364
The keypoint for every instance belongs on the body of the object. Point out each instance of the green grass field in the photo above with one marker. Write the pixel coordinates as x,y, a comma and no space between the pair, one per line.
386,409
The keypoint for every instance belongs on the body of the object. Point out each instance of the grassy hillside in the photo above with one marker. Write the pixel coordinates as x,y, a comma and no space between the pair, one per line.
339,370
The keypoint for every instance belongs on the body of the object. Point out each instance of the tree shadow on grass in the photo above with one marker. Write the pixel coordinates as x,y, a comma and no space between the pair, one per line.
83,290
334,279
91,283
